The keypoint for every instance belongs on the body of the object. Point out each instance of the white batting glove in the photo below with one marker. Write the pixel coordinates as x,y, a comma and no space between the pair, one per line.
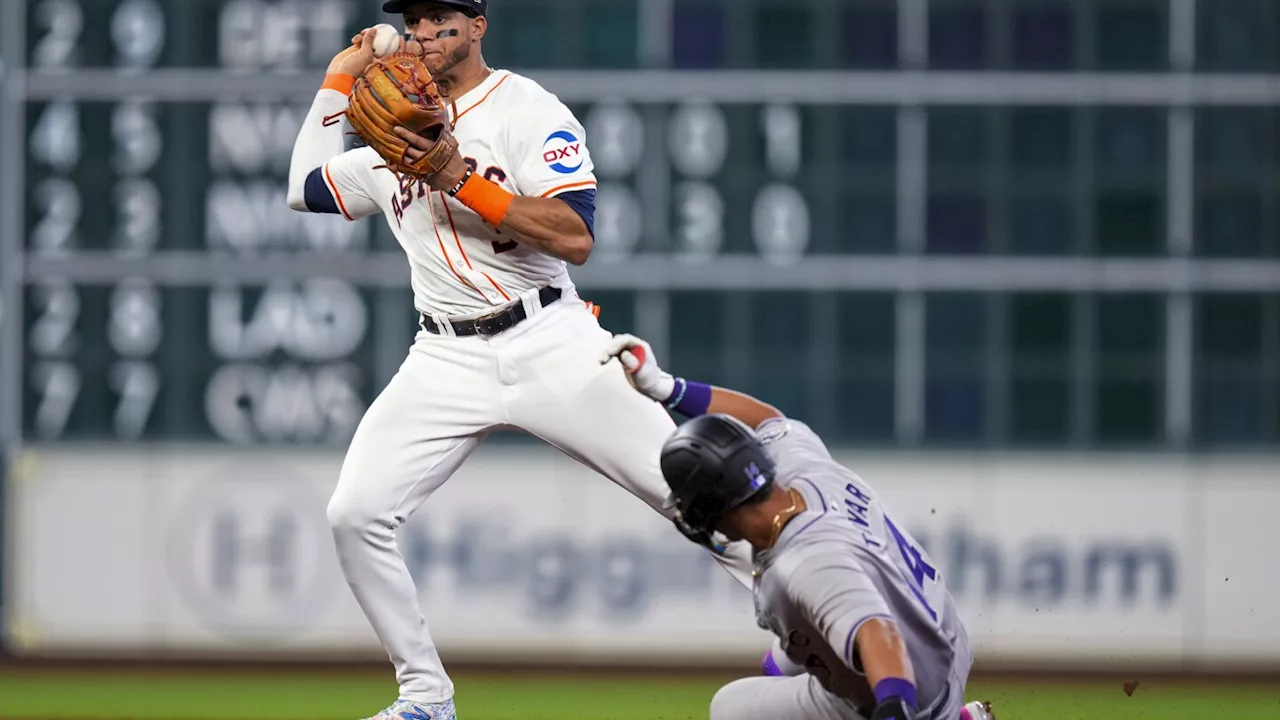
641,366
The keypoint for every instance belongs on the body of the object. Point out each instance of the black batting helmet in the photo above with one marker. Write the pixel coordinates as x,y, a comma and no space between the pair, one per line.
713,463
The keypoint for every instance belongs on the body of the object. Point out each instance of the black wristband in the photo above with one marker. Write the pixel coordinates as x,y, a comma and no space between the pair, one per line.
465,177
893,709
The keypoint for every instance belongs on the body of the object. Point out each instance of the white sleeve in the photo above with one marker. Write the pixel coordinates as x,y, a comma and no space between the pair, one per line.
550,152
349,178
319,147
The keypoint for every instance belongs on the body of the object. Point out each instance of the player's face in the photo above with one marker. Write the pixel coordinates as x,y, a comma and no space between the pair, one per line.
446,35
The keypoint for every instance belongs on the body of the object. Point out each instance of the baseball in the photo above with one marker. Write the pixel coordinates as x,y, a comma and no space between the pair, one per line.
386,40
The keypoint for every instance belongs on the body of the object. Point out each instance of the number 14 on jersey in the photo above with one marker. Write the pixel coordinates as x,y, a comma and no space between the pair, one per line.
918,567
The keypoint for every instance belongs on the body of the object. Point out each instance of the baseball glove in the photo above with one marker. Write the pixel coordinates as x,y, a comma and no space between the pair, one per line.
398,90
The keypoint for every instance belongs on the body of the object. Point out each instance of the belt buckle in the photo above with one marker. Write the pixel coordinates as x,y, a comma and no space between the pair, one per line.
479,322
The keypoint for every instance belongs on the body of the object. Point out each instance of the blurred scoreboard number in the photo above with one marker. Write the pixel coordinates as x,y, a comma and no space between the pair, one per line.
235,35
92,172
141,357
289,362
730,170
136,359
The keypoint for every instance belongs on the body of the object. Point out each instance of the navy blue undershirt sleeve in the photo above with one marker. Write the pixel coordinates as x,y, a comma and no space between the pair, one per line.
317,195
583,202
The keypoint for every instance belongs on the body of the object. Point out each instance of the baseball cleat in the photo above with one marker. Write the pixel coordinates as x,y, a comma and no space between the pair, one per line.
410,710
977,710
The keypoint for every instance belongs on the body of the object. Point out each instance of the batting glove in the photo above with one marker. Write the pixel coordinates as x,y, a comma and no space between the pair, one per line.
640,365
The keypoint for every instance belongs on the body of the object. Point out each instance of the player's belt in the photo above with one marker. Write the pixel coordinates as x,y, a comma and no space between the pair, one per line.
495,322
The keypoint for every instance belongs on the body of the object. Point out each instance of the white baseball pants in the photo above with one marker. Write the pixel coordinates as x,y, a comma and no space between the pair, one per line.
543,376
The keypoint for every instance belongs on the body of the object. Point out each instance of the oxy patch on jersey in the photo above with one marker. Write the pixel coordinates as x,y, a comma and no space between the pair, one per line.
562,152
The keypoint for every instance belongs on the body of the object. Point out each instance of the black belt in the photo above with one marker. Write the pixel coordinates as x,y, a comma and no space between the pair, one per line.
496,322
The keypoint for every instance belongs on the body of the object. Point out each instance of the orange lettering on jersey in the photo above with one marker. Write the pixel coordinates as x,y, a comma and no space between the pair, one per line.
406,190
493,173
403,198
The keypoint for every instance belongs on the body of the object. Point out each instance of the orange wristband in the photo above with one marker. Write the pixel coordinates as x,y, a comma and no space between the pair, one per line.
341,82
484,196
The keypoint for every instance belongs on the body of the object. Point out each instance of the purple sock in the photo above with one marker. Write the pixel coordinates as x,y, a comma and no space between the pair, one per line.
770,666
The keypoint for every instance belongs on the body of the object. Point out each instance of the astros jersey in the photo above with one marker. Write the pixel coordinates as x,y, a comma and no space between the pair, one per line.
842,562
511,131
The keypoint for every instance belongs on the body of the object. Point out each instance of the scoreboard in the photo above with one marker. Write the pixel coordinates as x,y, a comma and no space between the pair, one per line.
896,255
130,355
133,358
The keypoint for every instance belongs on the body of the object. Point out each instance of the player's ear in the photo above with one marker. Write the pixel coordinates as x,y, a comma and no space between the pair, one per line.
479,25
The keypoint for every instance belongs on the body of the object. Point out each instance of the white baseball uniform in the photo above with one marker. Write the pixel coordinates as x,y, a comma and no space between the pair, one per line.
541,376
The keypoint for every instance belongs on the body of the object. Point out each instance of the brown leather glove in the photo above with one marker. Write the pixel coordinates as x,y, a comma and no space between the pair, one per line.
398,91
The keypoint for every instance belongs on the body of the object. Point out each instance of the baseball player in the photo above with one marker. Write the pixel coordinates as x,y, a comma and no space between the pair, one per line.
505,343
864,624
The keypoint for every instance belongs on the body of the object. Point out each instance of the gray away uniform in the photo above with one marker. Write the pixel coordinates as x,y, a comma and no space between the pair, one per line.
841,562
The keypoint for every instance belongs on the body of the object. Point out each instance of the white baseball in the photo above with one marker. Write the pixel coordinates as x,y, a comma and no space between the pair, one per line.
386,40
